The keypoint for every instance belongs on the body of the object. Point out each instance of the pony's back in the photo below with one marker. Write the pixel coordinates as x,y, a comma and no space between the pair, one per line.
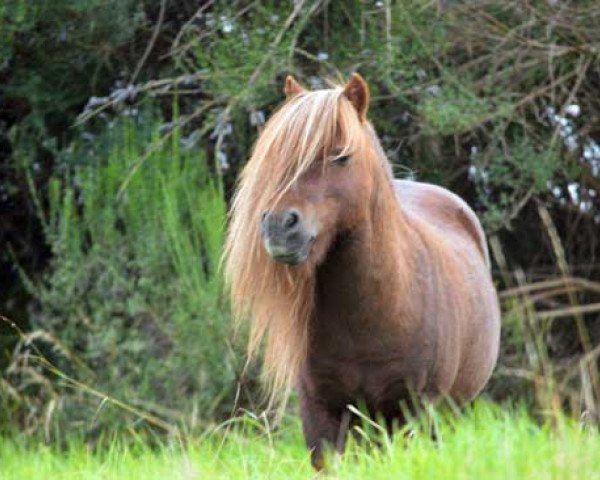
443,209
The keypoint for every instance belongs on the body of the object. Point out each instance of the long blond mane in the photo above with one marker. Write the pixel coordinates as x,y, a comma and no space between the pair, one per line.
276,298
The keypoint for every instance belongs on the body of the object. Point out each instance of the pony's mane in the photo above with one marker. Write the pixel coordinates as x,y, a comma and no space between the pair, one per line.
278,299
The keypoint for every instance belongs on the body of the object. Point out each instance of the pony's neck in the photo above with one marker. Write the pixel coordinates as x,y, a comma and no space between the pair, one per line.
368,268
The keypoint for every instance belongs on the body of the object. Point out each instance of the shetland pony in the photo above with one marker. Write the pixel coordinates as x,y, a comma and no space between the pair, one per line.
362,288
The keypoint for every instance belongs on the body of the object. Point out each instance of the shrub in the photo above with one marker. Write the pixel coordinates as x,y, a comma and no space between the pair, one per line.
132,304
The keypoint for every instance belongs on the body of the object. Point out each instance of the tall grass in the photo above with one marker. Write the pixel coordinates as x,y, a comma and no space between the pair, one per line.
132,305
486,442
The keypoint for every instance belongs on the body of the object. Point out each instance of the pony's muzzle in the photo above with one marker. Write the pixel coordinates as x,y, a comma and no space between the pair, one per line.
285,236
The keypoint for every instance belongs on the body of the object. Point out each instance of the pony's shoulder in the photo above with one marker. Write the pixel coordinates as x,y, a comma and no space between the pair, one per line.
442,208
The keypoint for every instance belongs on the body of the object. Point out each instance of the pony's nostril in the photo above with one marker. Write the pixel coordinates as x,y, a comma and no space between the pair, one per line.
292,218
264,215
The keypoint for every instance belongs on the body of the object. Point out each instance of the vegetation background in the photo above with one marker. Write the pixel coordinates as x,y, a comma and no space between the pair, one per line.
123,125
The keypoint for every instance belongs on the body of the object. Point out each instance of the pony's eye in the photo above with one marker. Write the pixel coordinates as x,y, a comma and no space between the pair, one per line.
342,160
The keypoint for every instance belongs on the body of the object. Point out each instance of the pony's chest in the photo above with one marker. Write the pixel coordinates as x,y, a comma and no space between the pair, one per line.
366,344
380,378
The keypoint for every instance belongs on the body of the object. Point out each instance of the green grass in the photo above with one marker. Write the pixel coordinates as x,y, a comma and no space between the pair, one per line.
485,443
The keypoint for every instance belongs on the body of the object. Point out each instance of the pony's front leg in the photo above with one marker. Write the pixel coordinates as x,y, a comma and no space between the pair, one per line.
322,428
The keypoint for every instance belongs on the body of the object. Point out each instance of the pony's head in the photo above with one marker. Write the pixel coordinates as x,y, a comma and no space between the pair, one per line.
311,172
313,148
313,176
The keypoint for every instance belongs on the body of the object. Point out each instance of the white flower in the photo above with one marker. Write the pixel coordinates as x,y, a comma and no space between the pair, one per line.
574,110
591,151
571,143
434,90
557,191
472,172
257,117
573,188
226,25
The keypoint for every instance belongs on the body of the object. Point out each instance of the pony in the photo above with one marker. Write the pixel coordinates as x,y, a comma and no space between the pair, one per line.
362,288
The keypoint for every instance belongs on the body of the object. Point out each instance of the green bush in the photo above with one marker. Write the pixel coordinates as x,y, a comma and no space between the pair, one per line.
54,53
132,304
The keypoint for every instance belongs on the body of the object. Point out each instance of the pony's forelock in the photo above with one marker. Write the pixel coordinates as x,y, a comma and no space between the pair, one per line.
308,129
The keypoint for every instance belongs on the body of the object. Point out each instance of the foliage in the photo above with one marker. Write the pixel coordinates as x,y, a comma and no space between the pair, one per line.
65,38
133,292
500,177
54,55
495,100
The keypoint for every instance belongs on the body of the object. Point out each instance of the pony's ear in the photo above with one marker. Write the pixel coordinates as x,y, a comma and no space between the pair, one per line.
292,87
357,91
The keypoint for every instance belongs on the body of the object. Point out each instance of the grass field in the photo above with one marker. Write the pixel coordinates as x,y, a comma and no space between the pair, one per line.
485,443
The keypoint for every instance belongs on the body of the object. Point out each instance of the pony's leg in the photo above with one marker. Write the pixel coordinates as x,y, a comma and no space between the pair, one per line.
322,429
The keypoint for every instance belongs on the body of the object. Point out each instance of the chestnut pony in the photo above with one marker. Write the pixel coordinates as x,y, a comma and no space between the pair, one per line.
364,288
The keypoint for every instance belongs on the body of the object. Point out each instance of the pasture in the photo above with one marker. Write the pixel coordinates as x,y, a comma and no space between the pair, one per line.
487,442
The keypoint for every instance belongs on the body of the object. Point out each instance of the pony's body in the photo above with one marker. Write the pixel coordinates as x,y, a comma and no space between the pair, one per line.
368,289
371,342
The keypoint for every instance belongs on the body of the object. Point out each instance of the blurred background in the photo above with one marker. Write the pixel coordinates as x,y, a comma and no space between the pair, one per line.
124,123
